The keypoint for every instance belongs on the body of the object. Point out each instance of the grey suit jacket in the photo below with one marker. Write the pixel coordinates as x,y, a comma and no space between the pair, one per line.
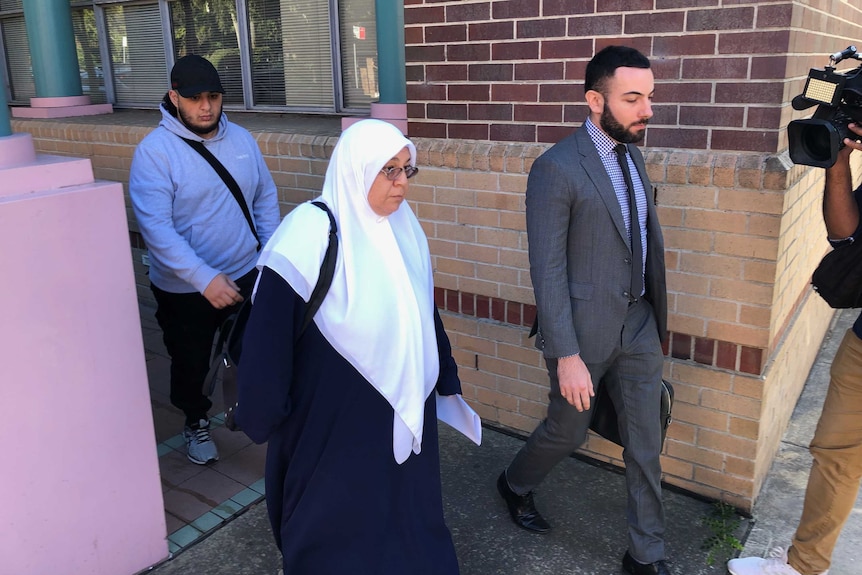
580,259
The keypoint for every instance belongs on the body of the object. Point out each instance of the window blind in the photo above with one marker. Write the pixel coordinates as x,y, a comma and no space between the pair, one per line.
137,54
358,33
89,59
21,83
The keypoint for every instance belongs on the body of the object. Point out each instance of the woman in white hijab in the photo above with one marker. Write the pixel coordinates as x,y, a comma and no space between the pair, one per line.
348,406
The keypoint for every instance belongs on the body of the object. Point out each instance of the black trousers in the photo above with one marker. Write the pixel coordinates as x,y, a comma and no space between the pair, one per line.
189,324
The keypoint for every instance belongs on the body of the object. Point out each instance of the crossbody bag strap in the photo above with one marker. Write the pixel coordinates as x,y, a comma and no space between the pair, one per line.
327,270
228,180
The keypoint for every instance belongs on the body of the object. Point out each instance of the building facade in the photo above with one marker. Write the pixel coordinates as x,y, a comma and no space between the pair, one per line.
490,85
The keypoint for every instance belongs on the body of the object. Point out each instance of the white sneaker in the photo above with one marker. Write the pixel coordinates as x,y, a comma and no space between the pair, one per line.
201,447
775,564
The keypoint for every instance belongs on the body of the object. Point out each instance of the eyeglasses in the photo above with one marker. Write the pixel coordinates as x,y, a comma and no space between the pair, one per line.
393,173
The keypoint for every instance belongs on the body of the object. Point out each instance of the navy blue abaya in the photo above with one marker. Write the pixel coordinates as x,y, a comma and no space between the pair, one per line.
337,500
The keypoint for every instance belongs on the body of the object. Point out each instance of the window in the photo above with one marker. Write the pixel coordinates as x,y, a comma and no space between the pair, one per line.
137,53
89,60
21,84
209,28
291,55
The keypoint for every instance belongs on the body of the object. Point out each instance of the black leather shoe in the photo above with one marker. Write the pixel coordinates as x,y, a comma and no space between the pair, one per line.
521,508
635,568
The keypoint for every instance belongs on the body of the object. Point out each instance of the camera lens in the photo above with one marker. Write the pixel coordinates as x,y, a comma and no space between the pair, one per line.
817,143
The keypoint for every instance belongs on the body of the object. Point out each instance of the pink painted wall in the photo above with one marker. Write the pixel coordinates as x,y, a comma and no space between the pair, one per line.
79,486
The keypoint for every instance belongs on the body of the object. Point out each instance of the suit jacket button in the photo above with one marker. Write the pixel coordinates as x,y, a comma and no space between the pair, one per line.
628,261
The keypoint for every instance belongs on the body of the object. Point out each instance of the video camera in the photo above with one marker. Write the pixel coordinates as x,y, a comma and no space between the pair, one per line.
838,97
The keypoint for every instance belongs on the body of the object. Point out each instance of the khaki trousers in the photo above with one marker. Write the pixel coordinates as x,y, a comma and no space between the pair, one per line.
837,470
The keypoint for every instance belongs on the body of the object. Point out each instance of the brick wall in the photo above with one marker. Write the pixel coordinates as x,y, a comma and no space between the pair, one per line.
742,319
512,70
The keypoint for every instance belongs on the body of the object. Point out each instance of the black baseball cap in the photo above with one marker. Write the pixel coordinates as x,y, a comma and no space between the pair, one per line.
193,74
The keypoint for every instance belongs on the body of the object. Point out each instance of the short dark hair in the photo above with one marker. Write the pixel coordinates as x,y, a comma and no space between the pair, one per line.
605,63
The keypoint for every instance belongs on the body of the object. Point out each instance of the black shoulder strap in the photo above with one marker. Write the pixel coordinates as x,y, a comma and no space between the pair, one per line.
327,270
228,180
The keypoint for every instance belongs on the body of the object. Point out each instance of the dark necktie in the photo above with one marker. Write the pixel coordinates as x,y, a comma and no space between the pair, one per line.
637,285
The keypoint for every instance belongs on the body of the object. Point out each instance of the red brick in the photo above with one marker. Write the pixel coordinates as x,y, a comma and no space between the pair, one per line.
566,49
491,112
753,42
688,92
564,7
424,15
590,26
774,16
446,73
466,12
749,93
515,51
468,131
756,141
416,110
665,115
654,22
688,45
414,73
575,113
552,134
623,5
666,69
425,53
725,356
768,118
704,350
541,28
538,113
426,91
452,303
439,297
515,92
539,71
715,68
491,31
453,33
726,116
513,312
515,9
680,346
483,306
463,52
676,138
750,360
426,130
641,43
490,72
560,93
769,68
414,34
469,92
468,303
741,18
529,314
498,309
576,70
668,4
447,111
513,133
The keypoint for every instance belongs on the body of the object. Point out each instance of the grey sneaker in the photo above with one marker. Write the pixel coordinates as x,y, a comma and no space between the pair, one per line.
774,564
201,447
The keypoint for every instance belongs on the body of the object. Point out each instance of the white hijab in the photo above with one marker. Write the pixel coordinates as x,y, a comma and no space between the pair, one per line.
379,312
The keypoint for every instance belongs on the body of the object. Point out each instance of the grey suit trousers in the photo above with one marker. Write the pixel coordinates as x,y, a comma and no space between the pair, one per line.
633,375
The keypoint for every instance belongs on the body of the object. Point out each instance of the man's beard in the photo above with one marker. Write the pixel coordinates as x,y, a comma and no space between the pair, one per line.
201,130
616,130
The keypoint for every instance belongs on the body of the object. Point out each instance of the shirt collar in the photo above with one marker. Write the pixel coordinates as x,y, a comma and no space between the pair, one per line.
604,143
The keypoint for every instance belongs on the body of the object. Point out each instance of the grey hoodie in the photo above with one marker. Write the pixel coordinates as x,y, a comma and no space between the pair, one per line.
192,225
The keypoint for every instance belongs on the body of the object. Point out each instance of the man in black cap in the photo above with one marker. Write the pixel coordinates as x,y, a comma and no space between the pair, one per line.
203,237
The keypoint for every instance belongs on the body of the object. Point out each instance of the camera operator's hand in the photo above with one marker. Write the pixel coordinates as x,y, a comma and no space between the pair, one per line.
840,211
851,144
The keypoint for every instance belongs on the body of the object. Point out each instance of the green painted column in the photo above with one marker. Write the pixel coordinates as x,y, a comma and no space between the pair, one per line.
52,48
391,76
5,124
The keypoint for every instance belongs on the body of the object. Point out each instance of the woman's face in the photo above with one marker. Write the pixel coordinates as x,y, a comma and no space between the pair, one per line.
385,196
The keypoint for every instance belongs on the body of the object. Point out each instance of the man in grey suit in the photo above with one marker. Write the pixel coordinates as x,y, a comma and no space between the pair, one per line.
601,299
